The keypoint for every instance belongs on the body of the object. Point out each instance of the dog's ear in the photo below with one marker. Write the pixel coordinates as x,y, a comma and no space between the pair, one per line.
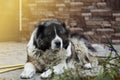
39,34
40,29
64,25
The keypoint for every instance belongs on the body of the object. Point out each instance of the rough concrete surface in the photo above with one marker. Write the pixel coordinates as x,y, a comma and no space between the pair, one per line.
12,53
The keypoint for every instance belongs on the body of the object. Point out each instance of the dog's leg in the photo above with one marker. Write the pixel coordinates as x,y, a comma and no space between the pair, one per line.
29,71
59,69
86,61
29,68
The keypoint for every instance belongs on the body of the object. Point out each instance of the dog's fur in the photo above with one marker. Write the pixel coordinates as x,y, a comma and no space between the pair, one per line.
49,36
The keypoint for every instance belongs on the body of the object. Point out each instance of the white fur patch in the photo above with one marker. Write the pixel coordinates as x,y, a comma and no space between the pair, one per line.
29,71
69,52
30,46
87,66
46,74
59,69
57,38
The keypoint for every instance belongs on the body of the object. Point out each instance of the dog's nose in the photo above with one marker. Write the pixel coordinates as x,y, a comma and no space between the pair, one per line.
57,43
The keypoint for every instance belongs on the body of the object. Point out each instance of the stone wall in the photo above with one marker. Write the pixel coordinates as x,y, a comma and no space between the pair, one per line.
93,18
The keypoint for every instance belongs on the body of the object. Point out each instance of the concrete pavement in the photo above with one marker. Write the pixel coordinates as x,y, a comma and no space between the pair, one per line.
12,53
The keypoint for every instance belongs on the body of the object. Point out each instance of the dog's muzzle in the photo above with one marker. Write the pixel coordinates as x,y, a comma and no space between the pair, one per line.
57,44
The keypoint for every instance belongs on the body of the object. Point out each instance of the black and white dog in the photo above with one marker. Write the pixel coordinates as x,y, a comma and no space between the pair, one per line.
49,34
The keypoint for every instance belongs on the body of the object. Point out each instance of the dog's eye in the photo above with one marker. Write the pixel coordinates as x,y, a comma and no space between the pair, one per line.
60,31
49,33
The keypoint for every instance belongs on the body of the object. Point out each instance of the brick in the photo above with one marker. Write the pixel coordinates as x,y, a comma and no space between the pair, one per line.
116,36
60,5
117,18
67,1
75,9
73,23
101,12
65,15
91,7
89,1
32,5
93,22
44,1
97,18
106,24
33,23
108,36
86,14
31,26
116,41
76,4
104,31
75,13
60,9
87,18
92,27
116,14
50,15
89,33
101,5
77,30
85,10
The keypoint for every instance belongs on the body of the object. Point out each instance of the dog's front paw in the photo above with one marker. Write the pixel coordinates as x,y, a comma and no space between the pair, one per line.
29,71
27,74
46,74
88,66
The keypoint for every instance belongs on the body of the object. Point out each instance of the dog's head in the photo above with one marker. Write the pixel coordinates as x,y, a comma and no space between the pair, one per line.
51,34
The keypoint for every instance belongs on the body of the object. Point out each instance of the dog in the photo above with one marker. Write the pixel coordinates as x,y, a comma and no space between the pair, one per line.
51,35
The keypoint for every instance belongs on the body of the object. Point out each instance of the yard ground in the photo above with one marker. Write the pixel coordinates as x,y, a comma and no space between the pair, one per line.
12,53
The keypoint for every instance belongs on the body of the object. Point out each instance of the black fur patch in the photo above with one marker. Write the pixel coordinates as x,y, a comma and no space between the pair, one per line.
46,33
